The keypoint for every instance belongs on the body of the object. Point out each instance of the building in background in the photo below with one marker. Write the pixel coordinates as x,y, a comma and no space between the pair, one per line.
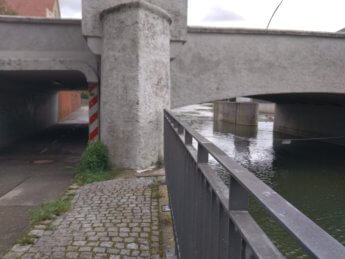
69,101
36,8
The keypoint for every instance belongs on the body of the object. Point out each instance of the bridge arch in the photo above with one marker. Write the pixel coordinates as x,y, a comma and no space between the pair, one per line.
313,115
28,94
223,63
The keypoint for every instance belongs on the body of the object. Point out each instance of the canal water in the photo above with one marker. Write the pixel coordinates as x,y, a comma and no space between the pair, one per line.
309,174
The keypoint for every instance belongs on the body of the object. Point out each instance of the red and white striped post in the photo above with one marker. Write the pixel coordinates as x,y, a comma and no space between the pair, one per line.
93,112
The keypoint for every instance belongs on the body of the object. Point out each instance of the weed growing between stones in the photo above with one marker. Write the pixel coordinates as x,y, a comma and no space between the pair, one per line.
157,195
27,239
46,212
95,157
94,165
88,176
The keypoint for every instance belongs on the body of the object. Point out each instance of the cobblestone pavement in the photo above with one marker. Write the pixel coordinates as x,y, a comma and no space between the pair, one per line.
113,219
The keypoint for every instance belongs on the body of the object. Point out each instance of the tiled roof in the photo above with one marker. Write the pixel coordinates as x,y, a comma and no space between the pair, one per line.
31,7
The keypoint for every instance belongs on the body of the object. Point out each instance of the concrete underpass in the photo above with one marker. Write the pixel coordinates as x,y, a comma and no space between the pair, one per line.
315,115
139,61
38,153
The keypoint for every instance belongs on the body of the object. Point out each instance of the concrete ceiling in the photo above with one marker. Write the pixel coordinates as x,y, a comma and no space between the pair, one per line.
41,81
304,98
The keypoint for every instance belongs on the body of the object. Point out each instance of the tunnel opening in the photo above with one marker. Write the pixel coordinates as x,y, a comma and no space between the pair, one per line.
318,116
33,101
44,128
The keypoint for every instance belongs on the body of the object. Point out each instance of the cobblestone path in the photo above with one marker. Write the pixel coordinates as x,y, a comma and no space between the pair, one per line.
113,219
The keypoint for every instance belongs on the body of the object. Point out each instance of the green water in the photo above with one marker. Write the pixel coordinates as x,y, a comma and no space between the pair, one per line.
309,174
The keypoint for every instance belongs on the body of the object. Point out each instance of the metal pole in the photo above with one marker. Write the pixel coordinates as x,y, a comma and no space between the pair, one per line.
238,200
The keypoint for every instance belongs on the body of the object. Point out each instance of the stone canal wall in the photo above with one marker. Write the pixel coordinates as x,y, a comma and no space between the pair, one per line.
244,113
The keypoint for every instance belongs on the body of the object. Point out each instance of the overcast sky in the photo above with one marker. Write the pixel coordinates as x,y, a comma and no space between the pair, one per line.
316,15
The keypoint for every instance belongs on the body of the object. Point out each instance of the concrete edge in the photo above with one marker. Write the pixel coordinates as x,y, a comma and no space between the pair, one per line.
29,19
138,4
264,32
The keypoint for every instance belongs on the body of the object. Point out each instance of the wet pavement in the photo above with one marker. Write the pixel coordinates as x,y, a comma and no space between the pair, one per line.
35,170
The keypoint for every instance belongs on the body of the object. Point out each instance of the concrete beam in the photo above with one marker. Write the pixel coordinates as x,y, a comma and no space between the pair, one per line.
216,64
45,44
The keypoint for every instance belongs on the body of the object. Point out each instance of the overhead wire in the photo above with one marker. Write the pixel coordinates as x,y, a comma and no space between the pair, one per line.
275,11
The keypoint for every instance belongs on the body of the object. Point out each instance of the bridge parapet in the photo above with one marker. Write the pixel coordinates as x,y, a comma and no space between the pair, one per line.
217,64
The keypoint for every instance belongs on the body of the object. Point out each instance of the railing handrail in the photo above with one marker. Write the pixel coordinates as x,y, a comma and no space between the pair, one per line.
312,238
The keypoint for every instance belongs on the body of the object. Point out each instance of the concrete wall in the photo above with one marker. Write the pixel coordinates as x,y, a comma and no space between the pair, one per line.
311,120
216,64
22,114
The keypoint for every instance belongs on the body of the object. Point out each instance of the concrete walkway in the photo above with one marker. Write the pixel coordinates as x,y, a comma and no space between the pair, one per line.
113,219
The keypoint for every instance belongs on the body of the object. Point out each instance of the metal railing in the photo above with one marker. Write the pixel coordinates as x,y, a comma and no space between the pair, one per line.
211,220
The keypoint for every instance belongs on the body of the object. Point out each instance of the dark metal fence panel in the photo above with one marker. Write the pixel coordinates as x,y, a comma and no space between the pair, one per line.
212,222
223,233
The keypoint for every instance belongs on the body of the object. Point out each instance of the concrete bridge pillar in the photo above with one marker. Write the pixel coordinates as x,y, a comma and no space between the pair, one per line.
240,113
135,82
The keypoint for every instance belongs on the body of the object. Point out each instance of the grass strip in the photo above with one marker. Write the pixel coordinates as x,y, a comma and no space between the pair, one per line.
50,210
90,176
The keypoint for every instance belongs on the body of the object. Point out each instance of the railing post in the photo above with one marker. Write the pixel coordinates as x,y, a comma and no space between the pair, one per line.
238,200
179,129
202,154
202,158
188,139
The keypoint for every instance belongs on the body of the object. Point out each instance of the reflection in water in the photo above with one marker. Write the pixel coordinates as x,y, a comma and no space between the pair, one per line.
242,135
309,174
245,132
